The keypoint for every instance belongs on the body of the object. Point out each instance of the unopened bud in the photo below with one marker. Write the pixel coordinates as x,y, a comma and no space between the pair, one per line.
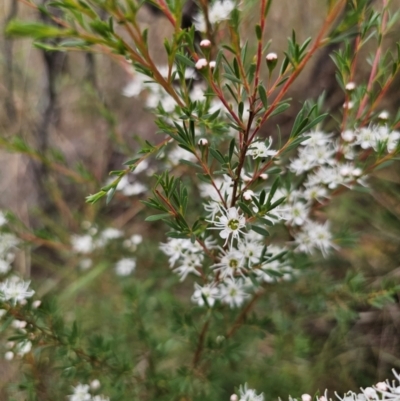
271,57
350,86
306,397
322,398
382,386
205,43
220,339
383,115
201,63
234,397
348,135
264,176
247,195
36,304
202,142
9,355
348,105
95,384
212,64
271,60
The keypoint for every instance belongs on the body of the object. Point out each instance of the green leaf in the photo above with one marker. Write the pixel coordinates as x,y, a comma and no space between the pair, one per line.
260,230
36,30
263,95
217,155
156,217
110,195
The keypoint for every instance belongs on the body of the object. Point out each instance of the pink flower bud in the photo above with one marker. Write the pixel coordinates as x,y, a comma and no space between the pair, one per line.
201,63
205,43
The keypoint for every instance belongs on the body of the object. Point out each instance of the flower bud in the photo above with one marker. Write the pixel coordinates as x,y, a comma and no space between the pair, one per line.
212,64
382,386
36,304
348,135
350,86
9,355
201,63
348,105
306,397
264,176
205,43
202,142
271,60
383,115
247,195
95,384
234,397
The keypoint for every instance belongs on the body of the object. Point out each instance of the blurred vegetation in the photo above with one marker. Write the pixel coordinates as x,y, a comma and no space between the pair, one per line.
63,126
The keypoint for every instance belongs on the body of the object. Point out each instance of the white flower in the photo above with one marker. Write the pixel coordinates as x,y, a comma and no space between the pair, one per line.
218,11
23,348
135,188
231,263
251,250
125,266
297,213
306,397
366,137
232,292
15,290
189,264
176,248
208,291
383,115
135,86
100,398
230,223
178,153
3,219
111,233
82,243
247,394
350,86
312,236
18,324
5,266
86,264
260,149
381,386
315,192
81,393
348,135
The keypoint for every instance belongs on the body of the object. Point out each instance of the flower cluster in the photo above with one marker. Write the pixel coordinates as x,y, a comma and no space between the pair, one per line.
95,239
381,391
82,392
8,244
219,11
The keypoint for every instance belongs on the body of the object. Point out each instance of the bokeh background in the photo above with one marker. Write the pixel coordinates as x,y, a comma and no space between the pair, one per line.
64,124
